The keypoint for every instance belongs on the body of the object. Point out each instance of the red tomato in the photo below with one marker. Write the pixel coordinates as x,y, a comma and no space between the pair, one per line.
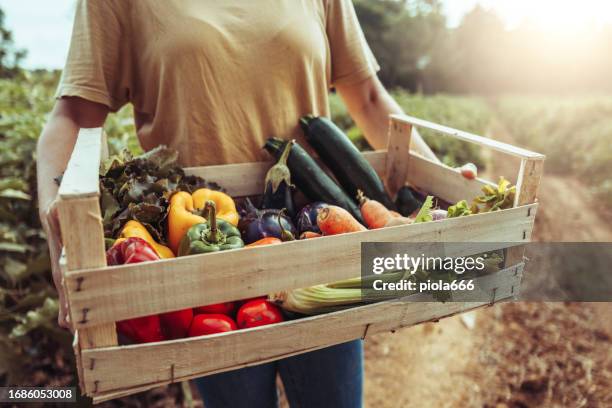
258,312
243,301
175,325
203,324
469,171
226,308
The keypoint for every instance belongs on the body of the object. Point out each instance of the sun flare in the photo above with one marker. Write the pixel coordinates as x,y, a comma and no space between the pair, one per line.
553,15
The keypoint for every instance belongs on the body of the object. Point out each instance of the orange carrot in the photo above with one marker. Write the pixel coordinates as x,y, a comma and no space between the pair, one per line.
374,213
334,220
396,221
266,241
309,234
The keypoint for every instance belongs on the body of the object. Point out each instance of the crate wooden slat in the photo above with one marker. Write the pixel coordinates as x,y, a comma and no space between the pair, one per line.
81,227
398,156
470,137
186,358
246,179
121,292
81,177
98,295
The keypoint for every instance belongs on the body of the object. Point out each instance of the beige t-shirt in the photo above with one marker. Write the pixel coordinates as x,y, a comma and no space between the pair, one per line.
215,78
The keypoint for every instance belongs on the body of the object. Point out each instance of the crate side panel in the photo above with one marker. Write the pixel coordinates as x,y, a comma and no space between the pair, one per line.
111,294
181,359
447,183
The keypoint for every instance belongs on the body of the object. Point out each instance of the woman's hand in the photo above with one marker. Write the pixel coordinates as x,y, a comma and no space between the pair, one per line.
53,151
50,221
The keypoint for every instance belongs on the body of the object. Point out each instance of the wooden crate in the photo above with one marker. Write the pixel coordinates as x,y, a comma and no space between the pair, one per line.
98,295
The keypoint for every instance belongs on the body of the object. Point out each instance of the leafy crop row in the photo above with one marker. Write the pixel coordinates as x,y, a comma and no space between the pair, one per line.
33,349
574,133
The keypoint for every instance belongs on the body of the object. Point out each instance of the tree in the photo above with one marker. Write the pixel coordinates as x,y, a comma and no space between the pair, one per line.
480,43
10,57
402,35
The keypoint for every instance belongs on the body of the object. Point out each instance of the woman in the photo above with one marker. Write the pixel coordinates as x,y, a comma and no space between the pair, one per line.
214,79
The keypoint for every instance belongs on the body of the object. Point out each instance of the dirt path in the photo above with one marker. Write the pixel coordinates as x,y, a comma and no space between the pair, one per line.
567,213
420,366
518,354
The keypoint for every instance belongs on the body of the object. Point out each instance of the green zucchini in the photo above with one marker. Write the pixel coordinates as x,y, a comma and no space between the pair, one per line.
311,179
345,161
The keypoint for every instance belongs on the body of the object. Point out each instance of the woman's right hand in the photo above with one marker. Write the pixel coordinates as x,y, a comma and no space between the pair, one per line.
49,218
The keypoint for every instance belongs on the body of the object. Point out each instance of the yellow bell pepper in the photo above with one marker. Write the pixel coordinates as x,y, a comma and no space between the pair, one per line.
135,229
181,215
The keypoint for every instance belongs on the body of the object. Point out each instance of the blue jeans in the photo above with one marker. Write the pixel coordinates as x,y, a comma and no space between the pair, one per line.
330,377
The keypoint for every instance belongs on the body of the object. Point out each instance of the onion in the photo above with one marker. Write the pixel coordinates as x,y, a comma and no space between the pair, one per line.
438,214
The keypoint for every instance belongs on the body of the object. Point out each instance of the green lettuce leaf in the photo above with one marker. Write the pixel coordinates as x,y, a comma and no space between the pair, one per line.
424,214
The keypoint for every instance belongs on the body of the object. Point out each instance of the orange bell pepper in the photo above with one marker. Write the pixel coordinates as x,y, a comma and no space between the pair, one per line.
182,213
133,228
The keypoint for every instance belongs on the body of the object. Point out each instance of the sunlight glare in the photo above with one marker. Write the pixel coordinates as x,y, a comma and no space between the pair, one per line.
553,15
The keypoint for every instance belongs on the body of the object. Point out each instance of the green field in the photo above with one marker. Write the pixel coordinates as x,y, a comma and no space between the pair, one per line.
466,113
575,133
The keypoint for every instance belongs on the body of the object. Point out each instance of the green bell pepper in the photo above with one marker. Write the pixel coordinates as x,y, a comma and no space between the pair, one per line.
211,236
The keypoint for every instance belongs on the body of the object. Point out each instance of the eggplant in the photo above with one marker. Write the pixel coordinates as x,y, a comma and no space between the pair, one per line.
345,161
285,234
277,191
306,219
310,178
256,224
408,200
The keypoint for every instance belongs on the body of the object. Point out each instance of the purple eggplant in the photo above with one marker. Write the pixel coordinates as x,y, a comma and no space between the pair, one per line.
409,200
256,224
306,219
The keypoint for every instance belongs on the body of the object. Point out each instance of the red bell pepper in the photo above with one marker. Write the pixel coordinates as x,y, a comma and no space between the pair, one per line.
133,250
145,329
204,324
175,325
258,312
226,308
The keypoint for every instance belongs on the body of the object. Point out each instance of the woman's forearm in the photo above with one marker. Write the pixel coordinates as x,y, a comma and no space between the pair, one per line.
57,141
53,152
370,105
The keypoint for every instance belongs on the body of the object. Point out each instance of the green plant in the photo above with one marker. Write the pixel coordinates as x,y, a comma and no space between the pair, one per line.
32,346
28,304
10,57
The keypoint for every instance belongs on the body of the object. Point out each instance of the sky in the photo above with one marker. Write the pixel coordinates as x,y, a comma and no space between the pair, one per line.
43,27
